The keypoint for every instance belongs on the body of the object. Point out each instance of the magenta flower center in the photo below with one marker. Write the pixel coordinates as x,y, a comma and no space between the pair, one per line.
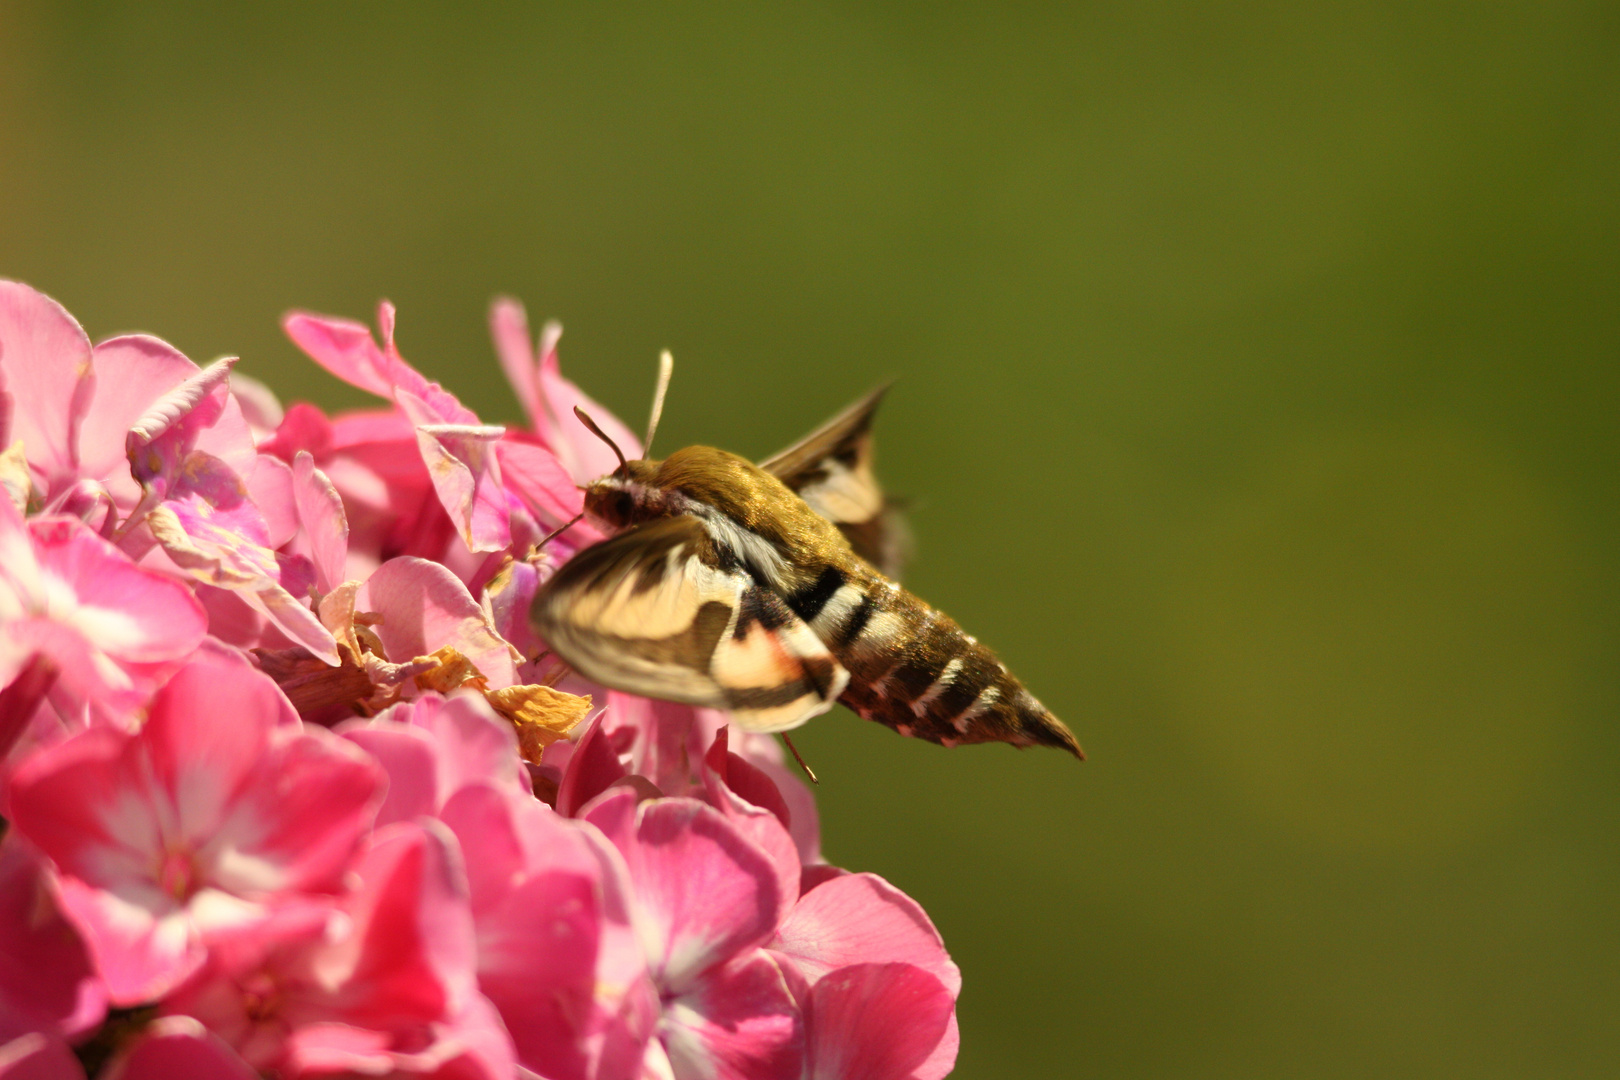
178,874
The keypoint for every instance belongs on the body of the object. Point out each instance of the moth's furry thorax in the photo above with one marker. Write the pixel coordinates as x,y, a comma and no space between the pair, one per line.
703,481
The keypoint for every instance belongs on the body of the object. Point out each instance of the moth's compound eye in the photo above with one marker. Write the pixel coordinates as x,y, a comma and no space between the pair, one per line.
623,507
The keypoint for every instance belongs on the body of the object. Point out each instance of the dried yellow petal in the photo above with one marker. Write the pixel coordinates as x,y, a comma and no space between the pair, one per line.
540,714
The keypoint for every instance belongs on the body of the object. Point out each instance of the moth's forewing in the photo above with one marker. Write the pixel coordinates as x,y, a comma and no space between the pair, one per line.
831,470
658,611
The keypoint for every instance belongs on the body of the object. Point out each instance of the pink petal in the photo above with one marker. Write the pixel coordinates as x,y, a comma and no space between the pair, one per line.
406,754
132,373
475,745
740,1022
465,470
509,326
304,427
26,677
270,488
943,1059
163,437
45,368
752,803
543,484
260,407
343,347
333,1048
229,438
47,982
804,823
129,613
860,918
178,1046
416,947
432,748
38,1057
423,608
142,950
217,536
508,597
556,954
875,1021
320,511
704,892
301,816
593,768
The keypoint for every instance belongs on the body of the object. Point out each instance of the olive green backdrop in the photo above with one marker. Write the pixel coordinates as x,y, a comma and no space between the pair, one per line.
1258,399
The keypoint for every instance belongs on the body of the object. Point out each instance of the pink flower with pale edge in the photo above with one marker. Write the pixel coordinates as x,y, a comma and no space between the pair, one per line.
384,985
193,826
704,899
104,629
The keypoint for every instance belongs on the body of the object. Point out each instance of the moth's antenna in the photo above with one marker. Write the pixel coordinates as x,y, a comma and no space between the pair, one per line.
799,759
666,368
600,434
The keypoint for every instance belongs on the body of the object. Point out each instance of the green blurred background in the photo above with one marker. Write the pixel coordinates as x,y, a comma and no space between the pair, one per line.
1258,400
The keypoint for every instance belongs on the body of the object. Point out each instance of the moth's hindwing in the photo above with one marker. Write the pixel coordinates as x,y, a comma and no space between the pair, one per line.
657,611
831,470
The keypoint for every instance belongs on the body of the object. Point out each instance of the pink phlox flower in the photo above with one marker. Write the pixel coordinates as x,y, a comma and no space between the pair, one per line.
848,922
556,950
193,827
81,412
47,983
82,622
705,898
550,399
323,526
141,444
386,985
433,747
456,448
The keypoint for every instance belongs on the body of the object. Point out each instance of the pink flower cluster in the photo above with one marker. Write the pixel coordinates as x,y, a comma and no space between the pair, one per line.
290,788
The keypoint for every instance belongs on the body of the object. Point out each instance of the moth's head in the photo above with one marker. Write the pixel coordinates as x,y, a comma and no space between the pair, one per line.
627,496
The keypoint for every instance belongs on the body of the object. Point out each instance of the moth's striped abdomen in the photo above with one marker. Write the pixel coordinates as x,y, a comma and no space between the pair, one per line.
911,667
